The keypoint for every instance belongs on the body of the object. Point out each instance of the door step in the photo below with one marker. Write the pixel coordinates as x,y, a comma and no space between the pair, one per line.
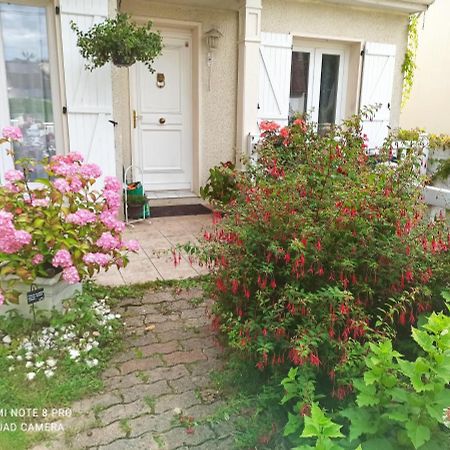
173,198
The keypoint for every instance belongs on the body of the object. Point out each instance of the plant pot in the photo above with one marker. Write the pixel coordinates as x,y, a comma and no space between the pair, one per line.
123,61
136,211
56,290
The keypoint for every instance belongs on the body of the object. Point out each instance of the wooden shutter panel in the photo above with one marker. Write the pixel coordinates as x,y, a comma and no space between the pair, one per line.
376,88
275,77
89,94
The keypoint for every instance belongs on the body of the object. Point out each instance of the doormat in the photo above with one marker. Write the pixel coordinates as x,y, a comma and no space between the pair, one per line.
178,210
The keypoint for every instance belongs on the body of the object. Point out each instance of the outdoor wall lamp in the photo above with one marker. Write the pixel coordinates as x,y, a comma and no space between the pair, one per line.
212,38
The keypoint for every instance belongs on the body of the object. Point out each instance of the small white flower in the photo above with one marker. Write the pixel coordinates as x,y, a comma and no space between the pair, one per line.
10,357
7,339
10,368
95,333
51,362
28,364
118,316
28,355
31,376
39,364
49,373
86,334
73,353
177,411
88,347
19,358
92,362
95,344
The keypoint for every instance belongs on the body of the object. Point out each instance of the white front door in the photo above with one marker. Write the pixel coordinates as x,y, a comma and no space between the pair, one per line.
162,109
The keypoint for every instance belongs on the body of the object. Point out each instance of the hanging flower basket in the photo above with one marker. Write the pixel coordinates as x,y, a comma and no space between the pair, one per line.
120,41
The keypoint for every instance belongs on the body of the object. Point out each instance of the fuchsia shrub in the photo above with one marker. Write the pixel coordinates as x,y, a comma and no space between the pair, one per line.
59,224
321,250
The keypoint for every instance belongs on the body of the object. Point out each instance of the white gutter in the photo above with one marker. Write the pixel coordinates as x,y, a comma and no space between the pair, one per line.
404,6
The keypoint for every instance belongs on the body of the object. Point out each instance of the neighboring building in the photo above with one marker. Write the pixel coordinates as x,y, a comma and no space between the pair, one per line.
428,105
274,58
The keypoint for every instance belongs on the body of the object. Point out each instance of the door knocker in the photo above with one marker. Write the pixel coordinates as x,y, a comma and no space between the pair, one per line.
160,80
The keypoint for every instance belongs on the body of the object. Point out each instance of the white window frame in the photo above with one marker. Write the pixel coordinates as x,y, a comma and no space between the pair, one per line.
6,161
314,77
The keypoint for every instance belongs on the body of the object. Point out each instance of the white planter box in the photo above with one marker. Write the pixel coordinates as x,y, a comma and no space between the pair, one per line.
56,291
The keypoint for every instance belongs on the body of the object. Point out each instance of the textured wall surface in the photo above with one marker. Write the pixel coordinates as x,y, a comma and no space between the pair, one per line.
428,105
218,106
344,22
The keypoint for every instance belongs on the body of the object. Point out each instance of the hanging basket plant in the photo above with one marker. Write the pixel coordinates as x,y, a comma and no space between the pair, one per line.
120,41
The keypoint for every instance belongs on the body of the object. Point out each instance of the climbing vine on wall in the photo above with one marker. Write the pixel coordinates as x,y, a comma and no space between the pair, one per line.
409,63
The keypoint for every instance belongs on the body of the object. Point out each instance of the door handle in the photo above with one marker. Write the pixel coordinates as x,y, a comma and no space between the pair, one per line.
162,121
136,116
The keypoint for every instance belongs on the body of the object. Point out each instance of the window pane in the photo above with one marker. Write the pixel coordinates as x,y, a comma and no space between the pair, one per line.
328,89
299,83
25,47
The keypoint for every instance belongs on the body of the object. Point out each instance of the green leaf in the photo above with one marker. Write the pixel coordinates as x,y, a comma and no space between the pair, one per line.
378,444
423,339
293,425
419,434
362,422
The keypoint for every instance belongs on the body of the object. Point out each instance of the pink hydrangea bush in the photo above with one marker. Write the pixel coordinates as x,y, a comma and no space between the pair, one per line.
62,225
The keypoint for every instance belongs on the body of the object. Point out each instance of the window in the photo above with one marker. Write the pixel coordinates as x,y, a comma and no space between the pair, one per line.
317,84
25,78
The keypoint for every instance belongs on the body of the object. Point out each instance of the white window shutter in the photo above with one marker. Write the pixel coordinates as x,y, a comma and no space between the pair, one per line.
376,88
89,94
275,77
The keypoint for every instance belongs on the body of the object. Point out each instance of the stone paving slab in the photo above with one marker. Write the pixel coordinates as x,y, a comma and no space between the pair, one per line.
170,351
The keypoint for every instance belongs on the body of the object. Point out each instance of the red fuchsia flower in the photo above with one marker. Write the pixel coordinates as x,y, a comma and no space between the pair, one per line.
262,282
246,293
220,285
264,332
344,309
319,245
295,357
305,410
273,284
402,318
268,127
314,359
287,258
234,286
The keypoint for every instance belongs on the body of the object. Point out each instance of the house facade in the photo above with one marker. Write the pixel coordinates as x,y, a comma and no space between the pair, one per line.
428,105
226,66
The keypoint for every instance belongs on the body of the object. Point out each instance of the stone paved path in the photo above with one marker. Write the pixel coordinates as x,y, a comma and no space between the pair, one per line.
169,354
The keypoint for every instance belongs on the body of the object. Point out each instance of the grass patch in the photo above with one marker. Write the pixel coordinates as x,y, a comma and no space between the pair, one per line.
150,402
72,378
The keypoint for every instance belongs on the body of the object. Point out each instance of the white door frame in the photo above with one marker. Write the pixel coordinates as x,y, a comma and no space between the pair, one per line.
173,26
316,49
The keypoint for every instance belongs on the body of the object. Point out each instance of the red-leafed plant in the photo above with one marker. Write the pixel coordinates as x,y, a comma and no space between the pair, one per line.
322,249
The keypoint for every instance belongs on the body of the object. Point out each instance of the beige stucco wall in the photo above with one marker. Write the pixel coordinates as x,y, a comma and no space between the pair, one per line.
341,22
218,106
428,105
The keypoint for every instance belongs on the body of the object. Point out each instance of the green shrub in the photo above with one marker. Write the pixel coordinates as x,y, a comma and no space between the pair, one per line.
321,250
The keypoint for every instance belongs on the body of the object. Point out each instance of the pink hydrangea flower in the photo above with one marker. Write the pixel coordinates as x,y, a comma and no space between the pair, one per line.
2,298
112,184
14,175
62,185
97,258
90,171
11,240
37,259
109,220
62,258
76,185
11,187
75,157
112,200
132,245
63,168
43,202
108,242
81,217
71,275
13,133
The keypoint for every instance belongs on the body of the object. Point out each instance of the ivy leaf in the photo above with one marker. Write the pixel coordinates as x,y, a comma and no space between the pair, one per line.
419,434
